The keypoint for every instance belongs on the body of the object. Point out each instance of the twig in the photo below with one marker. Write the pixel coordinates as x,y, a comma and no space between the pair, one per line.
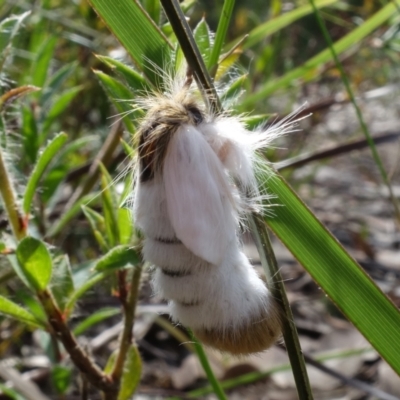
80,358
129,319
373,391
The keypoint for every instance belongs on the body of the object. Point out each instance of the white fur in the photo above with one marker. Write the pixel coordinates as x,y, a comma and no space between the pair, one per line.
194,200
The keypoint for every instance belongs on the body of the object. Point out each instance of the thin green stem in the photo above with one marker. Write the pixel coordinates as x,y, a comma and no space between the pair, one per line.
223,24
289,331
129,319
360,117
207,369
17,222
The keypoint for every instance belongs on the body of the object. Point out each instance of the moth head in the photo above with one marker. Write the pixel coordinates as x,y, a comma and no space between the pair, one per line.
165,114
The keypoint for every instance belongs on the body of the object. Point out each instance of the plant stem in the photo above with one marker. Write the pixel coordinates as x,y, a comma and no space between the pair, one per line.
129,307
79,357
17,222
278,291
191,52
207,368
360,117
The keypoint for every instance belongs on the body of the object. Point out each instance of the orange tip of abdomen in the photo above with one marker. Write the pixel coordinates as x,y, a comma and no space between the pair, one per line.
256,335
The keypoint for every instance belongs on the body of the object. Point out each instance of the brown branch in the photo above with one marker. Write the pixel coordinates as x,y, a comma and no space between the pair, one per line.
79,357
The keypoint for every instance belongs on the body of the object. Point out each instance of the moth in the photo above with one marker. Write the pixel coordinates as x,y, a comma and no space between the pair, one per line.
195,184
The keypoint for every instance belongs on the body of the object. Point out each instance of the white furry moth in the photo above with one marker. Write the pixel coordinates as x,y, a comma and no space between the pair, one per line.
195,181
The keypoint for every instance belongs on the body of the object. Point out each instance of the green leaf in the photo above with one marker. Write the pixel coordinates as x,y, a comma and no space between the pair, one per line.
98,225
202,37
61,378
254,121
95,318
131,77
344,281
131,374
35,263
118,257
143,40
12,310
45,158
8,29
109,207
153,8
41,64
120,96
59,105
125,225
62,284
223,25
232,92
312,68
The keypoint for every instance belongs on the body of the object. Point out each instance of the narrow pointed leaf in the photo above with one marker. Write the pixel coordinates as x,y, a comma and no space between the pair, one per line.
140,36
121,97
344,281
8,29
12,310
203,39
135,80
131,374
45,158
35,264
125,225
117,258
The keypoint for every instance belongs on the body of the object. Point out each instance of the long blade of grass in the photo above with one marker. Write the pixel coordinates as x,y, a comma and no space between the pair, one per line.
207,368
137,32
342,279
276,24
220,34
359,114
311,69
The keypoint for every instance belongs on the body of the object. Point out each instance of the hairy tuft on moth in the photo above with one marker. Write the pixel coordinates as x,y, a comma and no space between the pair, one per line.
195,183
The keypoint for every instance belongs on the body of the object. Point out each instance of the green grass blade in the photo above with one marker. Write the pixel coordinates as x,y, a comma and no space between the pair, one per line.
120,96
46,157
311,69
276,24
220,34
360,117
140,36
343,280
207,369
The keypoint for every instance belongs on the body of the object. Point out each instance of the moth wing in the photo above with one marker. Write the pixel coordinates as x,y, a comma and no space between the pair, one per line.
199,201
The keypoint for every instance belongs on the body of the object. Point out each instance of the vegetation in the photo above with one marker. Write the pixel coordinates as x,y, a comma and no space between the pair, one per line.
67,126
